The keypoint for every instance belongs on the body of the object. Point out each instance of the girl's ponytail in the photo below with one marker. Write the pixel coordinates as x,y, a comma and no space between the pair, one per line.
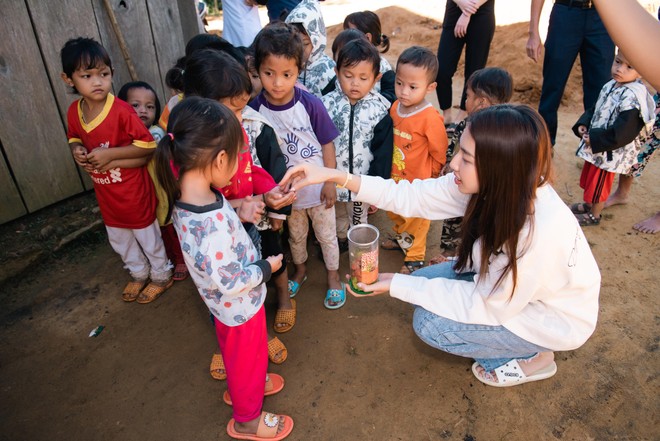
174,76
384,43
164,160
369,23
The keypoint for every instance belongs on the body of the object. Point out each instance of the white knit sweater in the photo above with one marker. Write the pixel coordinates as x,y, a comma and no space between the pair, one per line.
555,304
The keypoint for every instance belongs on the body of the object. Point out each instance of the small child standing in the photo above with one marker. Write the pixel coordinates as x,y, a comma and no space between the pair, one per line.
142,97
364,146
300,119
203,141
612,134
218,76
318,70
486,87
106,137
420,146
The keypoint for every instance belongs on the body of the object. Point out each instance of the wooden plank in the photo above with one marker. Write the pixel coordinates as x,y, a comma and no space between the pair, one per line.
53,26
11,205
133,19
190,23
30,127
168,37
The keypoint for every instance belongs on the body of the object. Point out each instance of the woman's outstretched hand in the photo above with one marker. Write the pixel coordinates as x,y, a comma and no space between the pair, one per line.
304,174
380,287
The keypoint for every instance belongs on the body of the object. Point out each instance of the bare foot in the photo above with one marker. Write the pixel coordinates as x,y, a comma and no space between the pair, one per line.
529,366
616,198
650,225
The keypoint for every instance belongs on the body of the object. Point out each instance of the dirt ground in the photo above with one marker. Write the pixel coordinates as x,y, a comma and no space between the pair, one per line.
355,373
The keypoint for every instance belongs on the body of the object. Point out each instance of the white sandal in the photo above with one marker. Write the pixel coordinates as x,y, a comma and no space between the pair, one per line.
511,374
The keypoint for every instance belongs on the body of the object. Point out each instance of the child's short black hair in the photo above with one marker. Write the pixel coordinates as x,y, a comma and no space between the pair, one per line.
211,41
174,76
216,75
344,37
493,83
123,93
83,53
420,57
279,39
356,51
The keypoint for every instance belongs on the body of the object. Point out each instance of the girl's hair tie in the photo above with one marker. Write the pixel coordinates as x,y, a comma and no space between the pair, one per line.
171,136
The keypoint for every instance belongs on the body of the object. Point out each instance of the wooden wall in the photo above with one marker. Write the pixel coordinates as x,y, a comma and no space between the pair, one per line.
36,167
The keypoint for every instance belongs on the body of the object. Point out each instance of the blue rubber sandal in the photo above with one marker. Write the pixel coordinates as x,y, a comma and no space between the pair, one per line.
335,298
294,286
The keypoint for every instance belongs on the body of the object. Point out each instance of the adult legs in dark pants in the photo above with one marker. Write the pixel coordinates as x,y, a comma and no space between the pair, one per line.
477,41
573,31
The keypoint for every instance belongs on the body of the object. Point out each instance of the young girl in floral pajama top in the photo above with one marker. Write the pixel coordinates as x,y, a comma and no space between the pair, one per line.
202,143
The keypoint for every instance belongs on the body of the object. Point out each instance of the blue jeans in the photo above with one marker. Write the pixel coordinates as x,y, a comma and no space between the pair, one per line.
574,31
490,346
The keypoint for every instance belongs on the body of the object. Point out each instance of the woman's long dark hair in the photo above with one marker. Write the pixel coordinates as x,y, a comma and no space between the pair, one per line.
513,159
197,131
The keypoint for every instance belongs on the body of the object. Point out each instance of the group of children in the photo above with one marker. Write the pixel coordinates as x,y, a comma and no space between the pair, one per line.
208,204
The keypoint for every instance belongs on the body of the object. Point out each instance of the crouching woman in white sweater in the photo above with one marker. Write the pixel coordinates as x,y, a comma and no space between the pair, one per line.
524,282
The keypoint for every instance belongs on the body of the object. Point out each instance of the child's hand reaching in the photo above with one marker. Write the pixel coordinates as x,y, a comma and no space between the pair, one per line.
305,174
277,199
275,262
251,210
329,194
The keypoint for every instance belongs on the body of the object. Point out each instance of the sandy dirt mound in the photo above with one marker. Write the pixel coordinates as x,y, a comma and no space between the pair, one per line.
507,50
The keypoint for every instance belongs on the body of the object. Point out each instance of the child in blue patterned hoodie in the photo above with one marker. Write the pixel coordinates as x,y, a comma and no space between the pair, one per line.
202,144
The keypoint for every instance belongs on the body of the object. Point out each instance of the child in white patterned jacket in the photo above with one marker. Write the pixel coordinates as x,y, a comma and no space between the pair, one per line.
361,114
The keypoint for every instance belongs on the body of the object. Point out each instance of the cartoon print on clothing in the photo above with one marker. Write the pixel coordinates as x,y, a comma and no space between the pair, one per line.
223,261
201,230
212,294
230,274
203,263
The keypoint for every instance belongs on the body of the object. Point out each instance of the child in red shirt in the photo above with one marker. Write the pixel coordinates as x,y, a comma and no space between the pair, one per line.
107,139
